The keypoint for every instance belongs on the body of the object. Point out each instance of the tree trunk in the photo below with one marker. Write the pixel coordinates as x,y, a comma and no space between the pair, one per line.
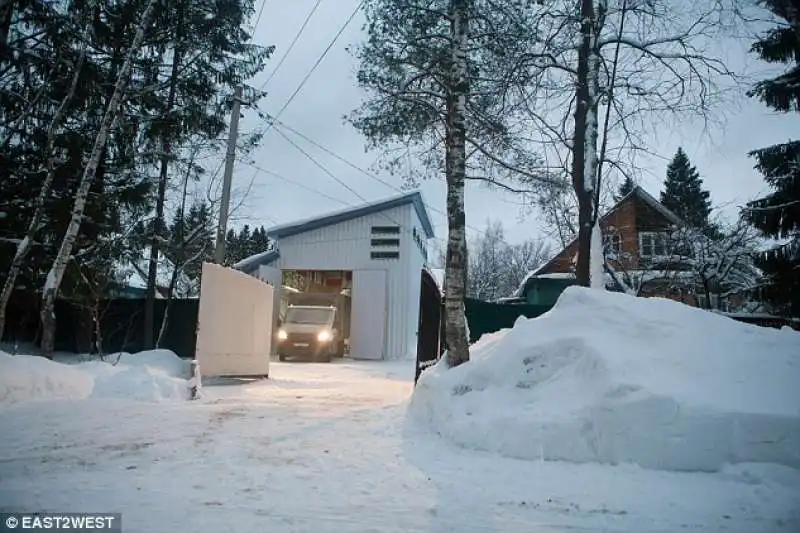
180,263
163,177
56,274
584,151
455,170
38,212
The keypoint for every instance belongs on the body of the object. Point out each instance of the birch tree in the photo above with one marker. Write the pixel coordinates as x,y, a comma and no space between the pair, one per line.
438,77
24,246
56,273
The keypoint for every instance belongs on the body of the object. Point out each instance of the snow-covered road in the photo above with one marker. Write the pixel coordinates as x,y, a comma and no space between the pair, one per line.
325,448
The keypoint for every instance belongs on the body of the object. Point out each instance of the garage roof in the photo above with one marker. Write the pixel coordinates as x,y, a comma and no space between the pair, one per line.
252,263
414,198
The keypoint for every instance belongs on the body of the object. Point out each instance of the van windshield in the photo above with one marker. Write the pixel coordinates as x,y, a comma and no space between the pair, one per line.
308,315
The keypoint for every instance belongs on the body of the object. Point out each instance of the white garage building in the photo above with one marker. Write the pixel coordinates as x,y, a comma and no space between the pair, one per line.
382,248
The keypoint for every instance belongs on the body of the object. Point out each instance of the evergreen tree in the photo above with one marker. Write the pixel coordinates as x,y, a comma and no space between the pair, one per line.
777,215
683,192
191,240
625,188
245,243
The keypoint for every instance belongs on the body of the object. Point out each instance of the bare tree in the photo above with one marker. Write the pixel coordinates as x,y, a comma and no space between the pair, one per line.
56,273
496,268
601,78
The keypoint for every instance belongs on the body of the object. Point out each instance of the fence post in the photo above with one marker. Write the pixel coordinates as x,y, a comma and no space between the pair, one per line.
195,383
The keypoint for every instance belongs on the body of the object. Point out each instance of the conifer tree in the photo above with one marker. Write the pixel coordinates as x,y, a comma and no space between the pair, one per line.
777,215
683,192
625,188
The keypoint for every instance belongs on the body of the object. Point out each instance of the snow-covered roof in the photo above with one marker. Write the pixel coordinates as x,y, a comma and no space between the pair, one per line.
438,276
251,264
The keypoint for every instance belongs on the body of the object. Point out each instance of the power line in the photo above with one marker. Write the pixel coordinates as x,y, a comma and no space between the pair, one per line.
293,182
258,17
291,45
313,68
320,166
406,228
335,155
318,61
358,168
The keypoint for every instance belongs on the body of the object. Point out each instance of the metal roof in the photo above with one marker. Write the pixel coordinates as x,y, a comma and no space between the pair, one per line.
414,198
251,264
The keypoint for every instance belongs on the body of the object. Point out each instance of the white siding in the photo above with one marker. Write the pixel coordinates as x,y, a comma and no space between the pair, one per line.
346,246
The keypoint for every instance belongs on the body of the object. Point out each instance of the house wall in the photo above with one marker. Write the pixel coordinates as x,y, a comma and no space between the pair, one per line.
346,246
627,220
622,221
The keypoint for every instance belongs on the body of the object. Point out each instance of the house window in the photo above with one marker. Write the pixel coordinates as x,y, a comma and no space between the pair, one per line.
384,255
652,244
386,230
385,242
612,243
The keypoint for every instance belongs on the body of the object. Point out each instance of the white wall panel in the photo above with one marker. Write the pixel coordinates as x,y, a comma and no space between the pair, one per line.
234,331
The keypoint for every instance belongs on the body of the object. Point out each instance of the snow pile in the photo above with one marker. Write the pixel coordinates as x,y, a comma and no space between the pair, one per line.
147,376
607,377
23,378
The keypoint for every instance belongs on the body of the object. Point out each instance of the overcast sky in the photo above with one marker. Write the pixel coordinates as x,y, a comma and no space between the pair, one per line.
317,110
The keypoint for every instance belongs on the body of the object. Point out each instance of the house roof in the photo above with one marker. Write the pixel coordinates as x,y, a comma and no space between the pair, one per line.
636,191
414,198
251,264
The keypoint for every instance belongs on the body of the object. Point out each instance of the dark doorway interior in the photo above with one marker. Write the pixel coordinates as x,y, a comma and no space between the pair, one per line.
430,316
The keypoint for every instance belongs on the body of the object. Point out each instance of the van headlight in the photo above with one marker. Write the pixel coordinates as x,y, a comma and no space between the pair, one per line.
282,336
324,336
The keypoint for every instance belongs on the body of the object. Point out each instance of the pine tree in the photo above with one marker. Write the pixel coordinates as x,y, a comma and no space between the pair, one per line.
625,188
683,192
777,215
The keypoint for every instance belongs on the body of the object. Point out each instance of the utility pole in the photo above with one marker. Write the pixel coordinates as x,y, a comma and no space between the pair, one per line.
219,250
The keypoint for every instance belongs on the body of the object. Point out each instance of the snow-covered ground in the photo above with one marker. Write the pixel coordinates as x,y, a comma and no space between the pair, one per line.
328,448
609,378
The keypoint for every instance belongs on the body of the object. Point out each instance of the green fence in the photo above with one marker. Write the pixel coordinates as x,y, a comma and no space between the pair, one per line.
486,317
121,325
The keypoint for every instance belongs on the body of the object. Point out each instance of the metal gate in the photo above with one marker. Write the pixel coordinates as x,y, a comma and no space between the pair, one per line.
234,329
429,345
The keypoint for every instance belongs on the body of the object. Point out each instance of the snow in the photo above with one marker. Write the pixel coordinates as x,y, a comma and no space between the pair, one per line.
146,376
438,276
609,378
327,448
26,378
597,275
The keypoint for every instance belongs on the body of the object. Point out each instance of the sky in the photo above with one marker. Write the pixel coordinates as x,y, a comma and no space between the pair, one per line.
302,189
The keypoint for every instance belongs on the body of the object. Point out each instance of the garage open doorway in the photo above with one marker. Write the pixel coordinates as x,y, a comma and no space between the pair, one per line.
315,315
